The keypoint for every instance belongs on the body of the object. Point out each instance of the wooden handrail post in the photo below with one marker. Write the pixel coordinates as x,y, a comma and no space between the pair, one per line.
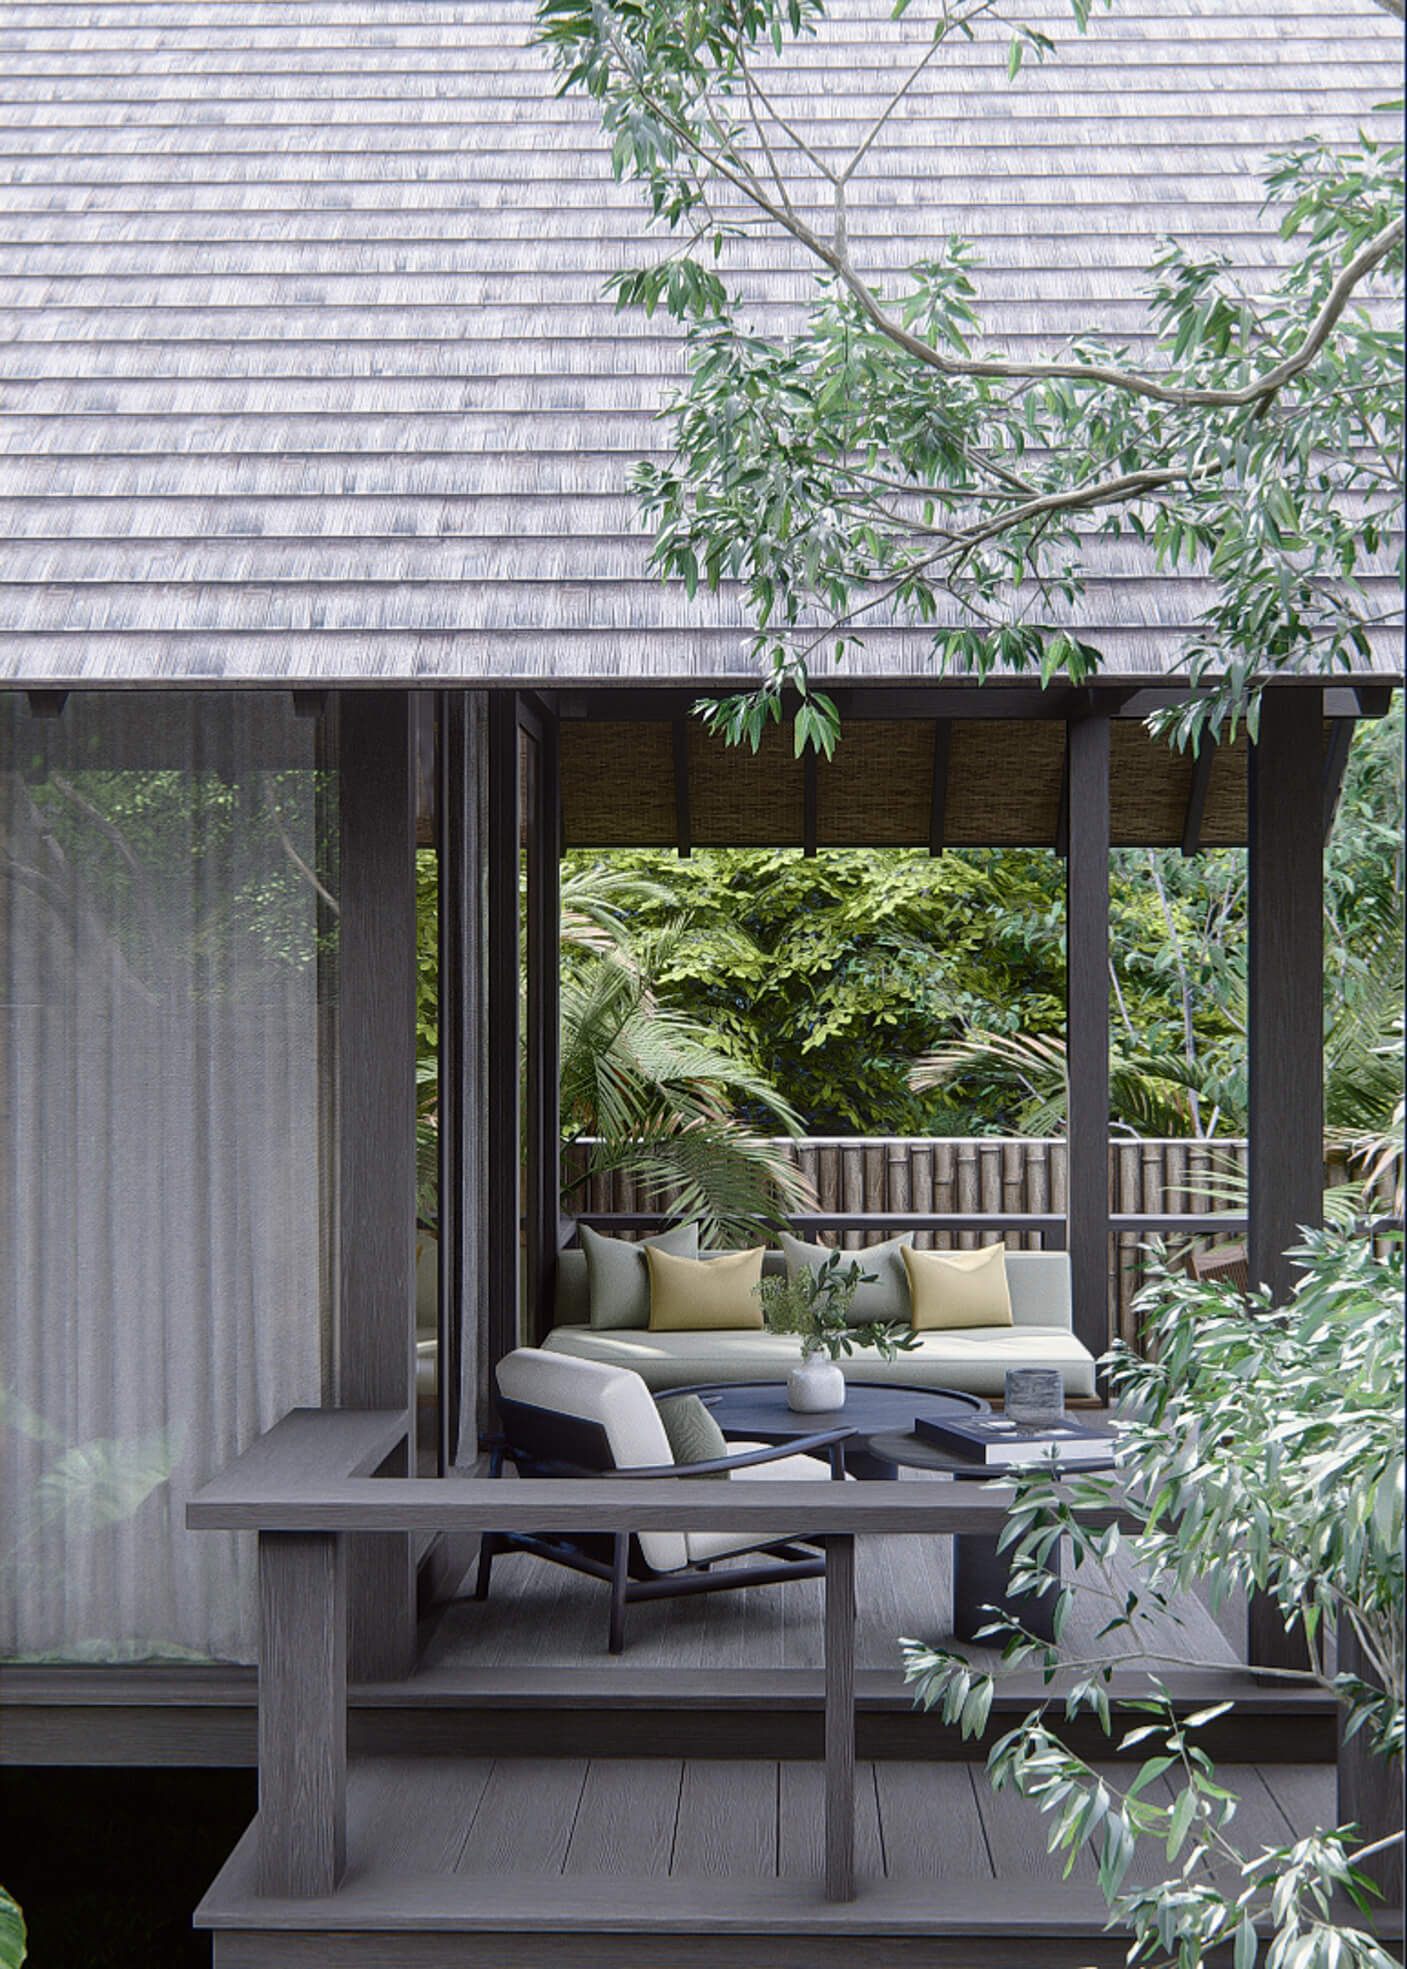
840,1716
302,1713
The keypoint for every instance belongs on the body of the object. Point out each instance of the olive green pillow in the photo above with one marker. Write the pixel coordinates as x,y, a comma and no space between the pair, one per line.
694,1436
886,1299
616,1276
959,1288
704,1294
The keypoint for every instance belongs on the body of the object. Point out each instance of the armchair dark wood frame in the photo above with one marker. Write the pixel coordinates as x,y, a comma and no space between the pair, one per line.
546,1443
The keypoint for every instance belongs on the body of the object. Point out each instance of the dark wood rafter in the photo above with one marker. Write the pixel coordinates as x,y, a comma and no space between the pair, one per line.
376,1070
542,816
499,1325
683,823
309,704
1087,1024
1285,1024
810,800
1335,763
938,790
1197,795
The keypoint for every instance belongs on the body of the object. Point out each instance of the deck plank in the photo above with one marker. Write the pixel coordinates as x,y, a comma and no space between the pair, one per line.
1016,1832
416,1813
626,1820
929,1821
525,1817
727,1824
801,1822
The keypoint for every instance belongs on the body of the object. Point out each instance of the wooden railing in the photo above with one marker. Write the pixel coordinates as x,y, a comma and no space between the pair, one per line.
307,1483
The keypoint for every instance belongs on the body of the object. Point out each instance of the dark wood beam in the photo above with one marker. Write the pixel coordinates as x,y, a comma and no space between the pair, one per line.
46,704
500,1321
309,704
810,800
376,1074
1335,761
1197,795
543,1092
938,790
683,818
1285,1025
1087,1025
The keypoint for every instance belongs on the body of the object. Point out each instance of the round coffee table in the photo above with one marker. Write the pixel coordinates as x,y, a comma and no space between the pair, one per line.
758,1409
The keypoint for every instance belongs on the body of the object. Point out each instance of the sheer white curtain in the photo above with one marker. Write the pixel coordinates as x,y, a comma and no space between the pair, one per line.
166,932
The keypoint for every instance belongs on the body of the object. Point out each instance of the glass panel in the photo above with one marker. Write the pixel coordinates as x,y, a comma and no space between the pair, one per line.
167,924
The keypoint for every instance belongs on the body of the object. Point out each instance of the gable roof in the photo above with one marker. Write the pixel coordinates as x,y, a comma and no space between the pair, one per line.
305,368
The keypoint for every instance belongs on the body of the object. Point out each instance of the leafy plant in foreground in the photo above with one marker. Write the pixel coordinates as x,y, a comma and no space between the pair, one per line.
1261,1450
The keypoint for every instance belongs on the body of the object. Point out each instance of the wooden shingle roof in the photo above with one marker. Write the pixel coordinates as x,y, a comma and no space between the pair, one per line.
305,368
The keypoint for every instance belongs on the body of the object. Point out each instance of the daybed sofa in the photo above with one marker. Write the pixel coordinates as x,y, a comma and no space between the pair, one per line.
973,1360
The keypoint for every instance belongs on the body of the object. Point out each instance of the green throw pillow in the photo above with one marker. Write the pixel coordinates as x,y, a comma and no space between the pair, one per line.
694,1436
886,1299
617,1278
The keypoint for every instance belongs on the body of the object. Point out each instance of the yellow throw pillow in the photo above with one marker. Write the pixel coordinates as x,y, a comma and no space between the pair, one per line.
703,1294
958,1288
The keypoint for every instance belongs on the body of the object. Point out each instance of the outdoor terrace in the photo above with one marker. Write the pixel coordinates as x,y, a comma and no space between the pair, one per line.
749,1774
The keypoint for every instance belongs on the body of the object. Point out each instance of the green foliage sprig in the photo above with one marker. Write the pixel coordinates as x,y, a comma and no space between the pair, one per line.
13,1939
1262,1451
814,1303
889,461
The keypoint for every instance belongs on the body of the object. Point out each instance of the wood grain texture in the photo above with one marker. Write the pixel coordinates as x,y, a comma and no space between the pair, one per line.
840,1718
929,1821
302,1713
499,1320
727,1825
626,1819
1285,1017
524,1819
1087,1025
376,1153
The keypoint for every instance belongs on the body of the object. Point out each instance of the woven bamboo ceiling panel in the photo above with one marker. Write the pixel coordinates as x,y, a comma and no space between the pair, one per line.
1004,788
307,374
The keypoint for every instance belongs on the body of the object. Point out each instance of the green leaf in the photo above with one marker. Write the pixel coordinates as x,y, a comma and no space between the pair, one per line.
13,1937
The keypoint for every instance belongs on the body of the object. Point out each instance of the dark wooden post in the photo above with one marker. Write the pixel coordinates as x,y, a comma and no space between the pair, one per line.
1285,1029
500,1326
461,1082
302,1713
1087,1023
544,1080
376,1367
840,1716
1369,1787
1285,1023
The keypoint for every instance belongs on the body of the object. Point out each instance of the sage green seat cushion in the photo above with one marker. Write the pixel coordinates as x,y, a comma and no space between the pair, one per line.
884,1298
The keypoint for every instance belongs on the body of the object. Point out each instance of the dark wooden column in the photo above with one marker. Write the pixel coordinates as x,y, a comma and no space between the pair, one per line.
499,1330
1087,1023
1369,1786
1285,1024
543,1036
462,1131
376,1354
1285,1027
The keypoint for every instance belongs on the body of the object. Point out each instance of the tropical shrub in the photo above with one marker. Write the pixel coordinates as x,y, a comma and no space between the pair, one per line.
1261,1451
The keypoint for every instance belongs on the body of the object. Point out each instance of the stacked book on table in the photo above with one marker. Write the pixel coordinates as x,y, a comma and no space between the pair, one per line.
997,1444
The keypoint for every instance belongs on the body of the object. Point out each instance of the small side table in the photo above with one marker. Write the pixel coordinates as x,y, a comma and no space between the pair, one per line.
981,1573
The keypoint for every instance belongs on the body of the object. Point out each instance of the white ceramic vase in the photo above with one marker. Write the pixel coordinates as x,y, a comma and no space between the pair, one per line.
815,1385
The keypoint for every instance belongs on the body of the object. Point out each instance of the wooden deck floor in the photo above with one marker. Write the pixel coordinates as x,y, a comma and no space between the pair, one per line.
675,1863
